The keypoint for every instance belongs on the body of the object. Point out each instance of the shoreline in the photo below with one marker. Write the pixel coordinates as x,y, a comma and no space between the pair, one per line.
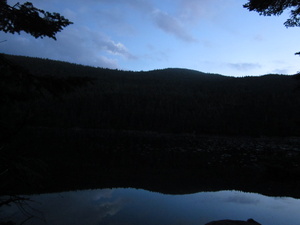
168,163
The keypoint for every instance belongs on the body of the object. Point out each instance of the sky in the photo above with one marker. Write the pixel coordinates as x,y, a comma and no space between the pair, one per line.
213,36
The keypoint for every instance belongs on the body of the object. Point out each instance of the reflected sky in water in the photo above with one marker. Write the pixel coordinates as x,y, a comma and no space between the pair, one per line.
133,206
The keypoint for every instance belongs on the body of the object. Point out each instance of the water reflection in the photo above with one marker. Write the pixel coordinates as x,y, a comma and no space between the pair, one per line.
133,206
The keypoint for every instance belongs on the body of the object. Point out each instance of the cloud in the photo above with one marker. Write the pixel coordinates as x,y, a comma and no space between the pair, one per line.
115,21
282,67
171,25
163,20
76,44
280,71
194,11
91,45
101,41
157,54
141,5
244,66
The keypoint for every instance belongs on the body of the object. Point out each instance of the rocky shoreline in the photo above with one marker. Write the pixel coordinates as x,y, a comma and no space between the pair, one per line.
170,163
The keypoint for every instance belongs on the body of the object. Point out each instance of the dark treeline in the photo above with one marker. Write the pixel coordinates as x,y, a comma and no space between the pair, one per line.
170,100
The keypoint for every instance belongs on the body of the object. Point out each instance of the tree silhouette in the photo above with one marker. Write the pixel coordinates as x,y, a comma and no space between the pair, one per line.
19,85
276,8
25,17
38,23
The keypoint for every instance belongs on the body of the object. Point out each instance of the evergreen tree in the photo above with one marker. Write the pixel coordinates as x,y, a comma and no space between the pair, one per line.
276,8
25,17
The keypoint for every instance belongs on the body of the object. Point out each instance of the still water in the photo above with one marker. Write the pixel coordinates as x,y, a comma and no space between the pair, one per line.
122,206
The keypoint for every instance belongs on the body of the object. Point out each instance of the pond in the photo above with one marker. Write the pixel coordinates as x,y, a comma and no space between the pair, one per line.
137,206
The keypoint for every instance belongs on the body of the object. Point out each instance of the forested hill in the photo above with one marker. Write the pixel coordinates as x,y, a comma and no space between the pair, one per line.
168,100
58,68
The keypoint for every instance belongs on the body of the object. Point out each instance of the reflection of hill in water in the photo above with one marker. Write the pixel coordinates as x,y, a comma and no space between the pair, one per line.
137,206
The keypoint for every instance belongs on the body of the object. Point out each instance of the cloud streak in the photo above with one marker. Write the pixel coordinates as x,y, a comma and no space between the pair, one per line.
76,45
244,66
171,25
194,11
100,41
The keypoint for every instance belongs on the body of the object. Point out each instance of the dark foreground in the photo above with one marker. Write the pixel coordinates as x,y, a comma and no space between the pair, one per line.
68,159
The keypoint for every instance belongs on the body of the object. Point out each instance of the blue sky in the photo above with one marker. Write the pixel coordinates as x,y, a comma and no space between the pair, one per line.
215,36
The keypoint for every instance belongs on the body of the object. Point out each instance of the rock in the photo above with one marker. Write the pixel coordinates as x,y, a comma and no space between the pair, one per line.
234,222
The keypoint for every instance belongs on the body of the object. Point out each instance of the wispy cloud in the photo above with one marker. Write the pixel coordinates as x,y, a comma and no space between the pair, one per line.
115,21
76,45
171,25
280,71
139,4
144,5
244,66
168,23
89,47
102,42
93,45
194,11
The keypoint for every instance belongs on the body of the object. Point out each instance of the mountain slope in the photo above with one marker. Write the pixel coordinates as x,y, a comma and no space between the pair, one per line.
169,100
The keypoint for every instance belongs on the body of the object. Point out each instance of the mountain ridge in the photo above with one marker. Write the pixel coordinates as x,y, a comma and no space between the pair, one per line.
169,100
23,60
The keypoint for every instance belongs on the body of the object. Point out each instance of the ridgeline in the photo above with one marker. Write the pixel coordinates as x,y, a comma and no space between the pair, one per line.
169,101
